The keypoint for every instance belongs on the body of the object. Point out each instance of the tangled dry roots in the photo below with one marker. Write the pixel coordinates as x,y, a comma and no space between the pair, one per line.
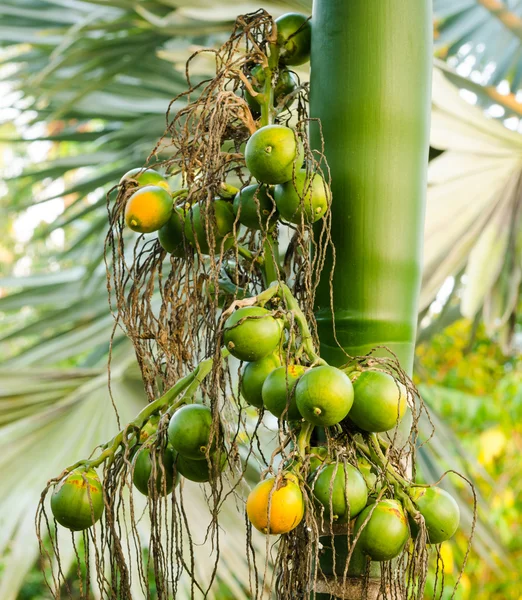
170,309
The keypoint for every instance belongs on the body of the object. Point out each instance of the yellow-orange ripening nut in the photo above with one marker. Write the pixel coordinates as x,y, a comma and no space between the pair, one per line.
77,501
324,395
145,177
148,209
276,505
294,37
251,333
273,153
379,401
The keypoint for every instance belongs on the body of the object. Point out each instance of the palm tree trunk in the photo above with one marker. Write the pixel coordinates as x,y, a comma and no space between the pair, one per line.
370,88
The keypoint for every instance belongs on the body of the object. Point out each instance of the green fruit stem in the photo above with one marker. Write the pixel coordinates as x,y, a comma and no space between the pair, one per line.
384,462
270,267
266,100
306,334
183,192
303,439
189,384
245,253
401,485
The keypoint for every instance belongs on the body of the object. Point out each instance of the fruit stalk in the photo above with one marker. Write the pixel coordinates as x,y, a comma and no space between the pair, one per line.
187,384
303,439
267,100
306,335
370,88
270,265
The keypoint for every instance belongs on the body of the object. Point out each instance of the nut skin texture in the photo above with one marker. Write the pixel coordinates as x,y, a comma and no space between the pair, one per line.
146,177
324,396
148,209
72,498
272,153
342,480
254,376
253,206
284,499
142,463
440,511
171,235
386,532
305,199
251,333
277,388
189,430
199,471
195,227
294,36
376,405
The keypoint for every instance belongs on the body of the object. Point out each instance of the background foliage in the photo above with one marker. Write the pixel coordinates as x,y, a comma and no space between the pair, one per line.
85,88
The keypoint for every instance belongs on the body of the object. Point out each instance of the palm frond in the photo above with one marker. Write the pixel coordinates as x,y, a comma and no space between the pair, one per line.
482,39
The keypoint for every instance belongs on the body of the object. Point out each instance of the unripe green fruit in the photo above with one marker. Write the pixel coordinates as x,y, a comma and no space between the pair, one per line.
333,484
279,392
170,236
254,376
324,396
77,501
251,333
143,468
145,177
198,470
294,37
273,153
253,206
221,223
189,430
387,531
379,401
440,511
306,198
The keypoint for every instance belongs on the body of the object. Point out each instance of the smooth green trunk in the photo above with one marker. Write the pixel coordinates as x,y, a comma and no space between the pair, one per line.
370,87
